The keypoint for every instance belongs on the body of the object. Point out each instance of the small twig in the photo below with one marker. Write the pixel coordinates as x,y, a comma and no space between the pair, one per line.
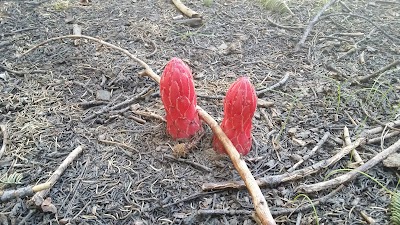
311,153
375,120
148,114
137,119
297,174
280,83
352,174
308,206
117,106
194,164
185,10
357,158
193,22
311,25
365,18
118,143
189,198
283,26
22,192
367,218
38,198
87,105
379,139
30,214
76,30
3,129
21,73
211,212
380,128
148,71
377,73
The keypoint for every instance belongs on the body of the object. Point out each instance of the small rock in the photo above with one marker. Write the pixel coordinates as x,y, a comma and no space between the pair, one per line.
103,95
299,142
392,160
264,104
292,131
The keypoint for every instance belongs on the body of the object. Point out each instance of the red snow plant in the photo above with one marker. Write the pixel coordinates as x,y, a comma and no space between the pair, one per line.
239,106
179,99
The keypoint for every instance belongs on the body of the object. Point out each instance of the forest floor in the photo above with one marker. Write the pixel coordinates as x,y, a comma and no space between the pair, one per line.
51,101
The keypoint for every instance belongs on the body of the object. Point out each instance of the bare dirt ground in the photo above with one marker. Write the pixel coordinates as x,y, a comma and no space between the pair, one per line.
124,174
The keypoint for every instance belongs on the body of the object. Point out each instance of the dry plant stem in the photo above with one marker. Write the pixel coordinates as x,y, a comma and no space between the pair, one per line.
297,174
117,106
3,129
260,204
379,139
311,153
39,196
148,71
76,30
380,128
148,114
311,25
185,10
196,165
280,83
377,73
367,218
352,174
347,141
22,192
365,18
308,206
119,144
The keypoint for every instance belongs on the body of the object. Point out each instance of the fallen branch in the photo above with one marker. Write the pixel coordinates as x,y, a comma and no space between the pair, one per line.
196,165
280,83
346,136
3,129
311,25
311,153
186,10
117,106
379,139
22,192
377,73
38,198
352,174
297,174
259,201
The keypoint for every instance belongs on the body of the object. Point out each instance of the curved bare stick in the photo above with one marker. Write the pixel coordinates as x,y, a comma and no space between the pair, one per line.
148,71
3,129
258,198
23,192
352,174
260,203
38,198
311,25
185,10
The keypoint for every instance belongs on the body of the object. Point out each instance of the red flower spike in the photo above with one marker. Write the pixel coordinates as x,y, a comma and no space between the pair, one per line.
179,99
239,106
